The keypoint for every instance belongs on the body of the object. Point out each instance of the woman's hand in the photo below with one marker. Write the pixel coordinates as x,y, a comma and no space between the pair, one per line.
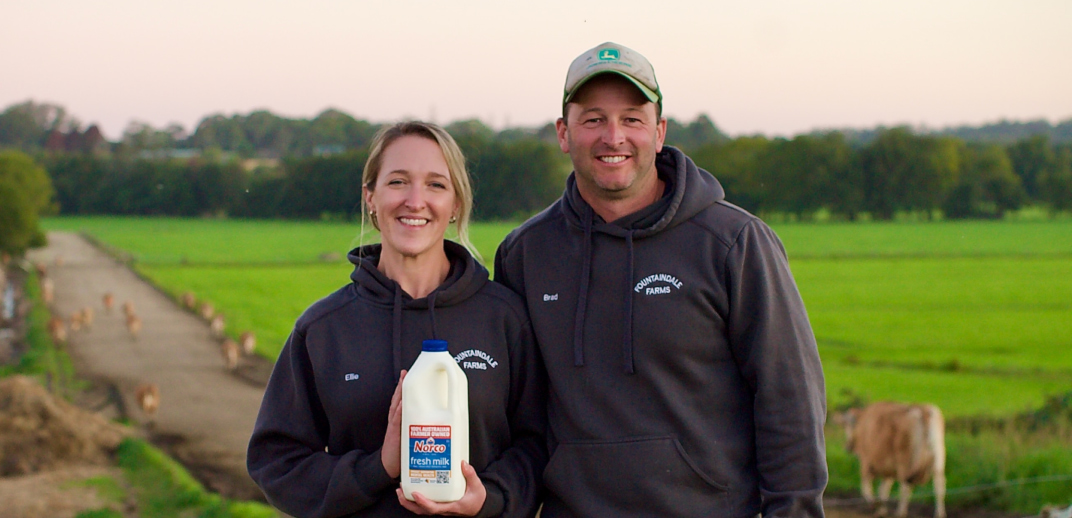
468,505
391,452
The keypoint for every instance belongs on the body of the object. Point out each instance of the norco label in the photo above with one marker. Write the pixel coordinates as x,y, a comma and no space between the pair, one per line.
429,454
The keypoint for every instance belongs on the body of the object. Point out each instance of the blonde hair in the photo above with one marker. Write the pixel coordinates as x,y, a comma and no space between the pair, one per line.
459,176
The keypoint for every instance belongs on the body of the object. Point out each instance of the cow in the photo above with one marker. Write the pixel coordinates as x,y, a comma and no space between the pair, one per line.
217,326
133,325
189,301
76,319
57,330
248,341
87,316
230,351
48,290
148,397
897,442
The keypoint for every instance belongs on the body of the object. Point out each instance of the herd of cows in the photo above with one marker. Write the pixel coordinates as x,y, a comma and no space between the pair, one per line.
147,395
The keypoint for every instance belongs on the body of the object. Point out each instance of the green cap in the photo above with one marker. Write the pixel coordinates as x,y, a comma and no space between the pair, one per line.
617,59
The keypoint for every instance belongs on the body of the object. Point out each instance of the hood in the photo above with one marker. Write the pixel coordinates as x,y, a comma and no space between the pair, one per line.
466,278
689,190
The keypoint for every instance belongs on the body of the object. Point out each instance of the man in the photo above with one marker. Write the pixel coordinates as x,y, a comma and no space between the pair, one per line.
684,376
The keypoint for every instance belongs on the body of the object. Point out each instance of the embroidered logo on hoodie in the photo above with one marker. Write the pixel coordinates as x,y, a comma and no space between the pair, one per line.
657,284
475,359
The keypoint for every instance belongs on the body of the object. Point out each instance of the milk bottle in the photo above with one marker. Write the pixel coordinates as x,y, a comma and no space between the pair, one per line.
435,425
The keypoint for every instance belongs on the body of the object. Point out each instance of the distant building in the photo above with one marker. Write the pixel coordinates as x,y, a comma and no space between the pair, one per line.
328,149
91,141
253,164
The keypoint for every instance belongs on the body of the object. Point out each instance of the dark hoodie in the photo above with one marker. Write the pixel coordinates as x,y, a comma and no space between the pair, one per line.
315,449
684,375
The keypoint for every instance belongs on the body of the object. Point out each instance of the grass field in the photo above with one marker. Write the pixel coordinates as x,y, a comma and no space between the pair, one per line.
973,316
909,311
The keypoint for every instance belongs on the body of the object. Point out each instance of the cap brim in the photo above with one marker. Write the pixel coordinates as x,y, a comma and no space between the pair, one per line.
648,93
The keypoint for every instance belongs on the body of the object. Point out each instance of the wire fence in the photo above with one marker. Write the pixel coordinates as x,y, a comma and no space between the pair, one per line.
978,488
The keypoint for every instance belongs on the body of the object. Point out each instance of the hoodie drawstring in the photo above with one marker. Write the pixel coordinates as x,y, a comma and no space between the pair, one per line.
627,332
582,300
431,312
396,328
582,297
396,332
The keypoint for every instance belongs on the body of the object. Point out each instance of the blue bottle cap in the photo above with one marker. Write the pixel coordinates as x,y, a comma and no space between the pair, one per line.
434,346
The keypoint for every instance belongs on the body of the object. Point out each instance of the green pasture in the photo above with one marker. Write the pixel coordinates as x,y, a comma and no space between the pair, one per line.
265,299
941,312
157,241
939,329
933,239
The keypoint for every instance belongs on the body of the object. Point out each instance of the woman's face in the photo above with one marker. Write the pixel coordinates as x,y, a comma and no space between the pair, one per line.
413,198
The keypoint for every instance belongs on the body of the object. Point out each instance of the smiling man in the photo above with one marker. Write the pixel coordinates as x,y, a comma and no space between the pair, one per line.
684,375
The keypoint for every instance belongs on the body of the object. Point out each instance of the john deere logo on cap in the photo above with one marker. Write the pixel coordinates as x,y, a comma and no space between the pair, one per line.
609,55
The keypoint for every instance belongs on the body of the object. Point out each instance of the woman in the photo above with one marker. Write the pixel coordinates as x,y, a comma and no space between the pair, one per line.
327,439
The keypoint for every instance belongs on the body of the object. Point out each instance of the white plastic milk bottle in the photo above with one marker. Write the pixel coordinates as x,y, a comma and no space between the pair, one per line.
435,425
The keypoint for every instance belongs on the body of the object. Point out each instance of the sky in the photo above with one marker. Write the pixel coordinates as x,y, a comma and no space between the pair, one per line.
776,67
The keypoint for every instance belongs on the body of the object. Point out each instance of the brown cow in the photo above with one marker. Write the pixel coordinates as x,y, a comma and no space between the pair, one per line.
248,341
133,325
230,351
48,290
189,301
57,330
217,326
77,319
207,311
148,397
897,442
87,316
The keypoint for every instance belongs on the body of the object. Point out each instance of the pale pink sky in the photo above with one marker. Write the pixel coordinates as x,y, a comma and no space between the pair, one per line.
777,67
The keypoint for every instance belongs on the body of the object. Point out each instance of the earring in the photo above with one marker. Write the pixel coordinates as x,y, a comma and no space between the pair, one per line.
453,218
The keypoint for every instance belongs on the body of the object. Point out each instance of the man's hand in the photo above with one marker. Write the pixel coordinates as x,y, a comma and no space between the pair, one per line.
468,505
391,452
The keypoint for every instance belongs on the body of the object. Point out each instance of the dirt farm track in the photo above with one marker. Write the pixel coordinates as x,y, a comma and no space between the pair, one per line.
206,413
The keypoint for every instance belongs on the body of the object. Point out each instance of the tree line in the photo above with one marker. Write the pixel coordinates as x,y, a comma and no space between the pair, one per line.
518,171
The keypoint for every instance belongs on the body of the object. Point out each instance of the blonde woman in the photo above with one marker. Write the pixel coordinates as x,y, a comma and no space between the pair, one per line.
327,439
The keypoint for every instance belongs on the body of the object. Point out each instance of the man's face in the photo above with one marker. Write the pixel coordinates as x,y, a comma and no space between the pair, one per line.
612,134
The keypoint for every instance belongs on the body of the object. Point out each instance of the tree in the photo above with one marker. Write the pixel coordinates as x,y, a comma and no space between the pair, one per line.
696,134
987,186
736,164
26,125
798,175
25,195
903,171
1055,183
515,179
1032,158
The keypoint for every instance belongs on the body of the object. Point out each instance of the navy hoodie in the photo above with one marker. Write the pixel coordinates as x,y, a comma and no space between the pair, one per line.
684,375
315,449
